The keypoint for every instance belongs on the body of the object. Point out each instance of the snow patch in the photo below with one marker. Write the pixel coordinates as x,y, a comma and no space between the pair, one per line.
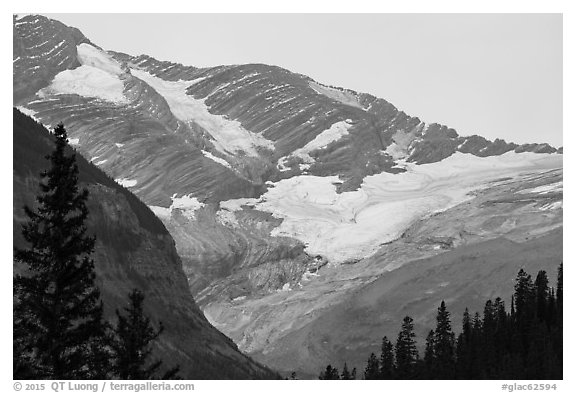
234,205
345,97
229,135
322,140
28,112
87,81
98,77
185,204
395,151
552,206
126,182
545,189
219,160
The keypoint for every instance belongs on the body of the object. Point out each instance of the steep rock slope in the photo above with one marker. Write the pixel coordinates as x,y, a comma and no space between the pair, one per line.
284,195
133,250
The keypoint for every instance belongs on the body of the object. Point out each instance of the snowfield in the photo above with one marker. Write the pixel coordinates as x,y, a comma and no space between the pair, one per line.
97,77
322,140
229,135
355,224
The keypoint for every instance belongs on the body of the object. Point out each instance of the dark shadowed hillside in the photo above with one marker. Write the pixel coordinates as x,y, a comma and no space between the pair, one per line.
133,250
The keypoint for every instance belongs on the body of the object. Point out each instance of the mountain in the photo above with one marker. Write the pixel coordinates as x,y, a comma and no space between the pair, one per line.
285,197
133,250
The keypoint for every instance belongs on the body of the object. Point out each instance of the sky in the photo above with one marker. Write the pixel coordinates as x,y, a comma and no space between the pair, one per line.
496,75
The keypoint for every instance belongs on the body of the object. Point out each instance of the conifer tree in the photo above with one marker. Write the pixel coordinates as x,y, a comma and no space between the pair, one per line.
559,295
488,354
387,359
406,352
345,373
131,347
523,296
525,310
444,351
58,326
429,358
542,293
464,348
330,373
372,368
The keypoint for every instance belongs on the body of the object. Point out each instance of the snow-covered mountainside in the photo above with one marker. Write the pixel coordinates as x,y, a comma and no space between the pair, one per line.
284,196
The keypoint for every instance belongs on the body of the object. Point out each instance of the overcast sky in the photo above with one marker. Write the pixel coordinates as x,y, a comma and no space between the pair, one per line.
497,75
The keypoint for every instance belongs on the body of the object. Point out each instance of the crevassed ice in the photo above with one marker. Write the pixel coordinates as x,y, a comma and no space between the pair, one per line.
229,135
353,225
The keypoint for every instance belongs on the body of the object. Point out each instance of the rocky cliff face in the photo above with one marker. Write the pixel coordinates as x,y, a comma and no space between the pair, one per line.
284,196
133,250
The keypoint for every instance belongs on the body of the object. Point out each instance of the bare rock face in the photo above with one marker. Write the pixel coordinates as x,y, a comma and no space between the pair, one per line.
133,250
42,48
208,149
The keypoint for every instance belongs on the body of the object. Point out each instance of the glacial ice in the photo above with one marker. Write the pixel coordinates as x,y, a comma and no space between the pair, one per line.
355,224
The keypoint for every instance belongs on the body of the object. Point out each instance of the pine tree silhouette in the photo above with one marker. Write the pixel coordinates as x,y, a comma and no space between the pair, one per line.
464,369
131,347
330,373
406,352
429,357
345,373
59,331
387,365
372,370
